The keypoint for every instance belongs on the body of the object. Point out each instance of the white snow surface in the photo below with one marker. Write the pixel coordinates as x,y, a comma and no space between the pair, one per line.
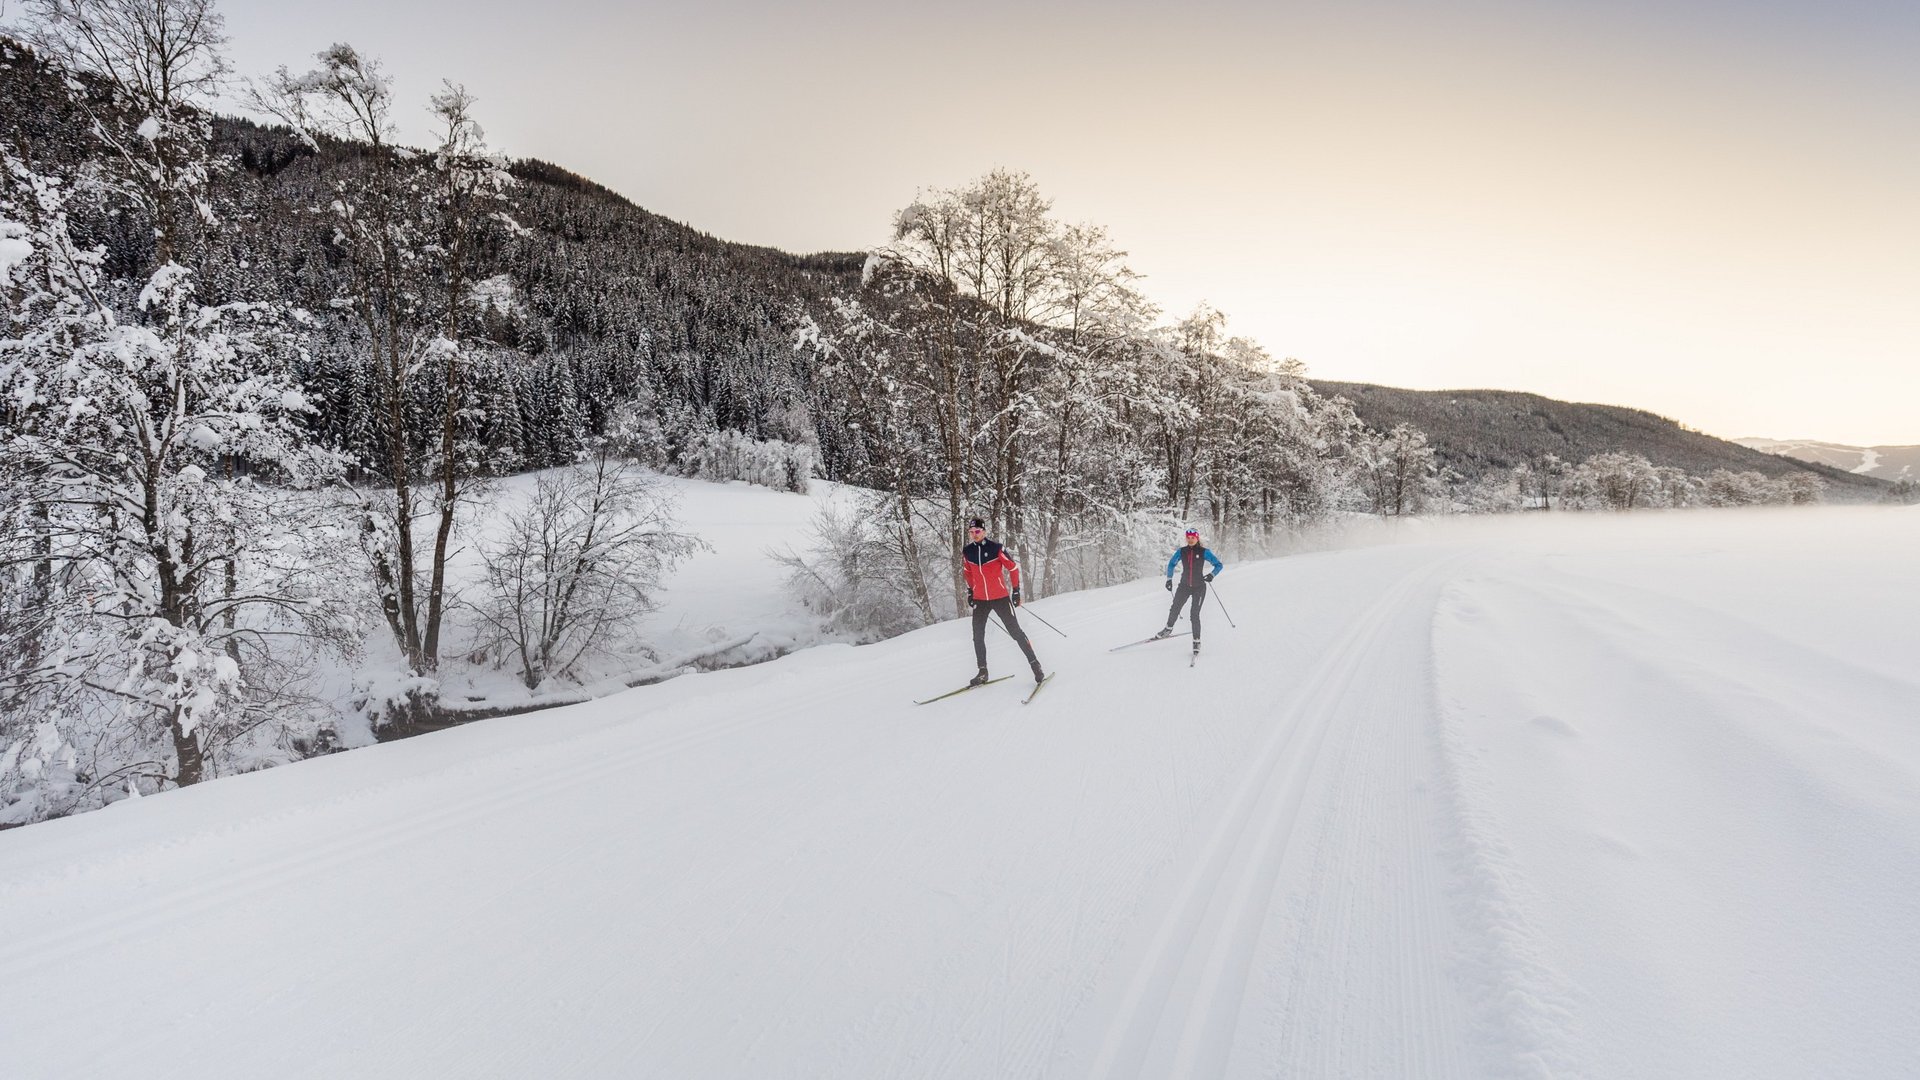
1562,796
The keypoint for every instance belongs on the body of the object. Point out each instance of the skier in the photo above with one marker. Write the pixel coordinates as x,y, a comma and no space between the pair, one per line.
988,567
1193,583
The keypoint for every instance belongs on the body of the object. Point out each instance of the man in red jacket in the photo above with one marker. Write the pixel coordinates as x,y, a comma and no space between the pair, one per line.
988,569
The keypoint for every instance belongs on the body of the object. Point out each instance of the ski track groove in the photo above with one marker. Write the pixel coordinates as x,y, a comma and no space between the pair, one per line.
1270,793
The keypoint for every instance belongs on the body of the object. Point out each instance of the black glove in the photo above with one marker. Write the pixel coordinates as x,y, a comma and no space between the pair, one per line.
970,600
1169,584
1209,575
1016,598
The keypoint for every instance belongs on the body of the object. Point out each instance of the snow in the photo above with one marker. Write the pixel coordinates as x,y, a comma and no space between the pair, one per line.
496,292
15,248
1557,795
734,588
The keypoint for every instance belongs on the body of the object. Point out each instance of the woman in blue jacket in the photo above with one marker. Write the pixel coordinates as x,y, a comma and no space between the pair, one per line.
1193,582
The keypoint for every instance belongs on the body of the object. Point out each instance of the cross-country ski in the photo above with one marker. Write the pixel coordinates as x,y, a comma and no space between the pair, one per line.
962,690
1142,641
1037,687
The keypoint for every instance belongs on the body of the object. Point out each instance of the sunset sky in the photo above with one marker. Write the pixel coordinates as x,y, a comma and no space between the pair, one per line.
1708,210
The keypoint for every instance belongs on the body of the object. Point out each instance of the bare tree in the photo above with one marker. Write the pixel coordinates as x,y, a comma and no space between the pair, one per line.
572,571
854,574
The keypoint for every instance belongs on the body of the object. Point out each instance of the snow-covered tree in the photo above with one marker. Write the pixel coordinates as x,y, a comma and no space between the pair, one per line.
407,229
138,440
1397,466
570,573
854,573
1541,479
162,61
1802,488
1613,481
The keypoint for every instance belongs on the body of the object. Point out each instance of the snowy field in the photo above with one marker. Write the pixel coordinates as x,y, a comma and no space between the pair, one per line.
1559,796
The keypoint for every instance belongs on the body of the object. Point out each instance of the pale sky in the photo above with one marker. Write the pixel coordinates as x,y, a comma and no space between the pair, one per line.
1709,210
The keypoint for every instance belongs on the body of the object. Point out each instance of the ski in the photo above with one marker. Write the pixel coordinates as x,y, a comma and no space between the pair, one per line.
1037,687
1143,641
962,690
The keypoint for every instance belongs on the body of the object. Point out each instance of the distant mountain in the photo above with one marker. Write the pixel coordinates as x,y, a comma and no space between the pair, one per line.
1885,462
1479,431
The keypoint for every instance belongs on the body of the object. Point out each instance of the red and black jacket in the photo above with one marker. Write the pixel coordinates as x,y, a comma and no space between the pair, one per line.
987,566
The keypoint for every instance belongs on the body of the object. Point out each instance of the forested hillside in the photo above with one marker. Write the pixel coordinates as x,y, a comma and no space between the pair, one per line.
1476,432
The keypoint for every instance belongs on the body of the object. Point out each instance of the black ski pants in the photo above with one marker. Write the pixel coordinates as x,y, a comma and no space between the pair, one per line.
1005,607
1199,594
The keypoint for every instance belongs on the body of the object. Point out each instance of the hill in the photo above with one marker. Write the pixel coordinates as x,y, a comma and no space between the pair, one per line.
1479,431
1475,804
602,302
1882,462
606,302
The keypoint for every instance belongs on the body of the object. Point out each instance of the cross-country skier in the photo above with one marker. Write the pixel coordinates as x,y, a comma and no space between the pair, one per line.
1193,582
988,568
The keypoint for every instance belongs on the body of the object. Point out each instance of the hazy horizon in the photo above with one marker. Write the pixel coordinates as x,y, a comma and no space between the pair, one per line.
1705,213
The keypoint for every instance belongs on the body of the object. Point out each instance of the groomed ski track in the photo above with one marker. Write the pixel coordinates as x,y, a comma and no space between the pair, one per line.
1355,843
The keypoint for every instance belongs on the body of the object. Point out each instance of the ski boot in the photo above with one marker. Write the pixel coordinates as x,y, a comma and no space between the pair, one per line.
1038,675
1166,632
978,680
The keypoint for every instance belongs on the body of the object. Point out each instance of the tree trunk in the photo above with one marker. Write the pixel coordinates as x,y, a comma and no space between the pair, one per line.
186,751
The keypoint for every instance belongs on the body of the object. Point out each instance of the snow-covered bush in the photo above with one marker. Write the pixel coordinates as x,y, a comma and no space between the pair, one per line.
866,575
1723,487
686,442
729,455
1496,492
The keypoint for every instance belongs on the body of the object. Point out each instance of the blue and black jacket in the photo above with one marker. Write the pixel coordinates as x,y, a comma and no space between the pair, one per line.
1187,559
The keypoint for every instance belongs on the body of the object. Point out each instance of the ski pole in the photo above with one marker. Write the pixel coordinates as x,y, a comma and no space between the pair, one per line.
1045,623
1214,592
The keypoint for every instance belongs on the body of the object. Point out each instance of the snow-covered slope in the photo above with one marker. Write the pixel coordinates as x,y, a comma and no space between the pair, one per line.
1546,797
1883,462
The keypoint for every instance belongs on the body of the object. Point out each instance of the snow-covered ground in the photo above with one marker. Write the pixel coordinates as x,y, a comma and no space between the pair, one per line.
1555,796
